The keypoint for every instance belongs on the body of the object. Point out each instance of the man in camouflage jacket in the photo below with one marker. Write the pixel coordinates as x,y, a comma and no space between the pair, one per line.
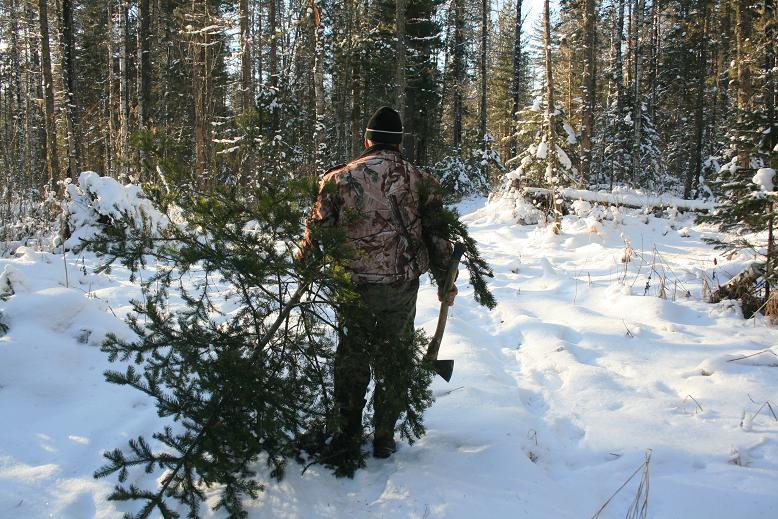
376,200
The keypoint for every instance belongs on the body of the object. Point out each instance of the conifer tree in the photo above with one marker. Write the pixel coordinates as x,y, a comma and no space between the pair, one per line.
234,339
240,372
529,168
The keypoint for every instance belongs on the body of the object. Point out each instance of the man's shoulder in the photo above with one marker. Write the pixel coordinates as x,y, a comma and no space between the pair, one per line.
338,172
332,173
377,161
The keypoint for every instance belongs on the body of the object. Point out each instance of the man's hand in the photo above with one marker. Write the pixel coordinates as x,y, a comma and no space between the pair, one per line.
450,296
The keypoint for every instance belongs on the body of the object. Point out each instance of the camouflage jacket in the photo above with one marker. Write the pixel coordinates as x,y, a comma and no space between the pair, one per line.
358,196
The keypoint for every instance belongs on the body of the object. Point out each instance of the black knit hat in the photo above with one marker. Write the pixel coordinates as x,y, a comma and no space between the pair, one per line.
385,126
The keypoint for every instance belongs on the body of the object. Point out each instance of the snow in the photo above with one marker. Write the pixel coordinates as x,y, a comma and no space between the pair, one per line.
764,179
97,200
542,150
564,160
571,138
557,394
632,198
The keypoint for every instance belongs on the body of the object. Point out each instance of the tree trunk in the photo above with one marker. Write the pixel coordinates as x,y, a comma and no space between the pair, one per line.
52,163
693,175
770,69
273,58
722,62
69,82
257,42
110,139
516,79
199,49
589,91
144,64
743,28
246,83
617,82
630,50
458,64
638,107
550,112
744,91
400,80
318,85
655,49
23,114
124,94
483,110
358,73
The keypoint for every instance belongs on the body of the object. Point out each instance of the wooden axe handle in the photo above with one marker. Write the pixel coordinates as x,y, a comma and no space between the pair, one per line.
451,274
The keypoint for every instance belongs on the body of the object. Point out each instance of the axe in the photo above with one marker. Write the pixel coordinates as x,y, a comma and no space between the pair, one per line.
444,368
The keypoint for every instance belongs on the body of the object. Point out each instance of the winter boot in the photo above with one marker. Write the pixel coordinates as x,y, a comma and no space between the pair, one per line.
344,452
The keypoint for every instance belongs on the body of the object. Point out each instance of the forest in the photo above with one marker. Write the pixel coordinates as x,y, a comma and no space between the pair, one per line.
648,94
160,167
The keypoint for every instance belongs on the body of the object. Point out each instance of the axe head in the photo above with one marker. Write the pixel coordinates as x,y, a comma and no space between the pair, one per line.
444,368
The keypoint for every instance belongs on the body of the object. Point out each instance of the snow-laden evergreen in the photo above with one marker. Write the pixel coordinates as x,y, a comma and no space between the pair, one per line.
529,167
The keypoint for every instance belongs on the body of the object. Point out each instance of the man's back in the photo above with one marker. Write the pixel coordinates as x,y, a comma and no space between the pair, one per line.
376,200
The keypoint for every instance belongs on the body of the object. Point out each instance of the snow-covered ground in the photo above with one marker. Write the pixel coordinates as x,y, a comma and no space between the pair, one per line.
558,395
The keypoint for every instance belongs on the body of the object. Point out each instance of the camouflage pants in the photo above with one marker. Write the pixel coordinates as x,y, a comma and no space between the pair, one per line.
376,336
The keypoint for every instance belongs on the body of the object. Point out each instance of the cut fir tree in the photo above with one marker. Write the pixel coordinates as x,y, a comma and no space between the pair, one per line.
234,343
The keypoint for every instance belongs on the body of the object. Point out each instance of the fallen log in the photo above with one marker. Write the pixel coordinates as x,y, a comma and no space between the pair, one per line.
626,199
743,287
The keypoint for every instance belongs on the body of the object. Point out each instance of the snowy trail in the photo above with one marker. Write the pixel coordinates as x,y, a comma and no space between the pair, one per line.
556,396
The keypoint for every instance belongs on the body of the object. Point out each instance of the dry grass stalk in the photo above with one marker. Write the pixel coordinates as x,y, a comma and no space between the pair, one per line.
706,293
699,407
662,294
639,507
766,350
771,309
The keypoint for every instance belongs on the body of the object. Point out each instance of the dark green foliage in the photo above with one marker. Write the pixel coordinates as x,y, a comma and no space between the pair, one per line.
163,158
418,394
743,208
234,343
460,177
741,204
423,87
242,367
444,221
616,152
